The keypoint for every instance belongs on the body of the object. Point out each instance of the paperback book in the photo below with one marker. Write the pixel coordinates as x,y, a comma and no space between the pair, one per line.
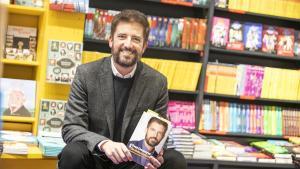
148,137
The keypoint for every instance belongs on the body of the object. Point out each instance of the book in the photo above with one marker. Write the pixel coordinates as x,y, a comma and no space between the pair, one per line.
33,3
269,40
219,33
286,39
235,41
21,43
52,113
17,97
148,137
63,59
70,5
297,44
252,36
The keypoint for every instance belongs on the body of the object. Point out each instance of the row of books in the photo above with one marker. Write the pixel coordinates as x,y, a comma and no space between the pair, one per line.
236,35
186,2
181,75
182,114
249,118
185,33
81,6
254,81
285,8
195,146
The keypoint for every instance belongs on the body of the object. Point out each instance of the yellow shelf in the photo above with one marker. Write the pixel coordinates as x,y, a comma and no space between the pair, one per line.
17,119
33,153
18,9
19,62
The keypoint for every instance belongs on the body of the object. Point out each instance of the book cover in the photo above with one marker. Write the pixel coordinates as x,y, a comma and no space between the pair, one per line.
252,36
63,59
286,39
17,97
297,44
219,33
235,41
21,43
270,35
148,137
52,113
69,5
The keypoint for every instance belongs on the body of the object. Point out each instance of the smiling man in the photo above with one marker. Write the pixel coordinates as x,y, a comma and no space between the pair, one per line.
107,99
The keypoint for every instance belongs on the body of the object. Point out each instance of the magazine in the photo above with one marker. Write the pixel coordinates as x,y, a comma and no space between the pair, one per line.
148,137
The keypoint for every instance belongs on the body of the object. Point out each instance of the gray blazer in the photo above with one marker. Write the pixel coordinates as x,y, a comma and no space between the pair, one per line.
90,110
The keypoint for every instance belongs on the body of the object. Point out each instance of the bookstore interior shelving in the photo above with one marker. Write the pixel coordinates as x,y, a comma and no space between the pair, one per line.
56,25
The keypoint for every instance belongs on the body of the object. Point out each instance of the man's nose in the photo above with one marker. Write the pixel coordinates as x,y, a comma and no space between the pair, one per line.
128,42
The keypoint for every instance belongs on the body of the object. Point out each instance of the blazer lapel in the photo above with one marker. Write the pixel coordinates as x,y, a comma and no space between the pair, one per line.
107,94
134,96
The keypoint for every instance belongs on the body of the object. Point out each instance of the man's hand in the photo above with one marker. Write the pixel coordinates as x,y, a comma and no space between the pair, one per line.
116,152
155,162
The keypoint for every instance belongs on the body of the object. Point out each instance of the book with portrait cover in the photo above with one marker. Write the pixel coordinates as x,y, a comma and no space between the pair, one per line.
63,59
148,137
17,97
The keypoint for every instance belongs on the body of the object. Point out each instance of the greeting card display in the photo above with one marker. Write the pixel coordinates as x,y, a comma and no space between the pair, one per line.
63,59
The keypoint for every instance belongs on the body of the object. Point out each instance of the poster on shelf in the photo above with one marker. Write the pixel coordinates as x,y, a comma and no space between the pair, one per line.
252,36
219,33
52,113
17,97
21,43
269,40
63,59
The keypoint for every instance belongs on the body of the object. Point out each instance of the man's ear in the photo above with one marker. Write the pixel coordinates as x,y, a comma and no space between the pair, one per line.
110,41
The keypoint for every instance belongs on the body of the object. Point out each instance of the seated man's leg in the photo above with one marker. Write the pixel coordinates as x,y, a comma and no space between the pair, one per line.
77,156
173,160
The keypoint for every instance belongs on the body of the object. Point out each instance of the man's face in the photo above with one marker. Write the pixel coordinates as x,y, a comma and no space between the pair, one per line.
155,133
127,43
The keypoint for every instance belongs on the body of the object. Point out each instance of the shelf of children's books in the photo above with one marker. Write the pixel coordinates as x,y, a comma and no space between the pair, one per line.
179,3
151,52
255,54
252,100
18,9
18,119
297,20
235,164
19,62
246,135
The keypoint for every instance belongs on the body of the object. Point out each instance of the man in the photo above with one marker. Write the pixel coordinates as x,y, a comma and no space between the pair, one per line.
155,132
107,99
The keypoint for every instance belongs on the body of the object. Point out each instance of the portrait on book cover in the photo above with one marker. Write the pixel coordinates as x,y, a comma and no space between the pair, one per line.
17,97
148,137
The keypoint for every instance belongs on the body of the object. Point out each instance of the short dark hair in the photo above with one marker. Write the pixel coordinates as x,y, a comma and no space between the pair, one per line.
159,121
130,15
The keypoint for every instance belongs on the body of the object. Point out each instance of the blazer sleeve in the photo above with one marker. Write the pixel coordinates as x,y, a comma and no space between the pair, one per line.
76,119
163,99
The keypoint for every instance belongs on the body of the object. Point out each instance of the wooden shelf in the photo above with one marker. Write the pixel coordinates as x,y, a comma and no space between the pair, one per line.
19,62
18,119
18,9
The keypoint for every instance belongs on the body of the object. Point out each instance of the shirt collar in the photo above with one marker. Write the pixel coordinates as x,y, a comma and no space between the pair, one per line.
118,74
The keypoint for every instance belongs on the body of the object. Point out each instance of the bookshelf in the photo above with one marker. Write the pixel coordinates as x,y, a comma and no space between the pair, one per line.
25,10
17,62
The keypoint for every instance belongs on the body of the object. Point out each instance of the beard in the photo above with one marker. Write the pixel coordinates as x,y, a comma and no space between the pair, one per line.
152,141
125,57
